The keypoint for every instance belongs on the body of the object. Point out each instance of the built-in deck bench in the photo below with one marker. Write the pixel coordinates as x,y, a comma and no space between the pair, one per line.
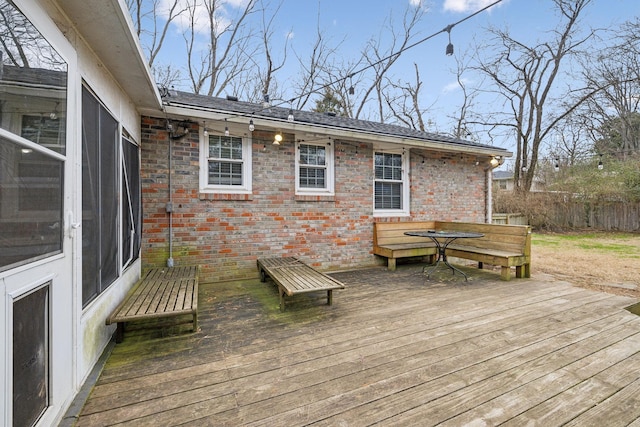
160,293
502,245
295,277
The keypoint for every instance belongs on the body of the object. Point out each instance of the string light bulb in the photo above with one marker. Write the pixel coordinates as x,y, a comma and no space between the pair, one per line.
449,50
251,126
226,128
206,131
277,139
290,117
557,165
600,165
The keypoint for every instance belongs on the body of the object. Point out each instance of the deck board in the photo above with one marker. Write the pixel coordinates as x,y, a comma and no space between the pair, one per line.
397,350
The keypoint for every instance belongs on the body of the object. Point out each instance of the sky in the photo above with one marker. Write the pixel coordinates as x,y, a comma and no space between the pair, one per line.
351,23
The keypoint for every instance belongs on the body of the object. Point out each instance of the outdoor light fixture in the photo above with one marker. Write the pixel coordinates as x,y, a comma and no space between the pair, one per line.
449,50
226,128
496,161
277,139
251,126
54,114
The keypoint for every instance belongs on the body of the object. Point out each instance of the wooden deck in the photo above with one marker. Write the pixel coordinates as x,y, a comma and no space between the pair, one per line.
395,349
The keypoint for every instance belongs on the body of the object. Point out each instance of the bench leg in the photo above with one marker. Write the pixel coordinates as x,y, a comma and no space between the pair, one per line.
281,293
505,273
391,264
119,332
330,297
480,265
523,271
195,322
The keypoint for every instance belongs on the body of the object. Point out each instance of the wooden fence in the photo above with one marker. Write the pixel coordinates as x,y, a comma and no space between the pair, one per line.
563,213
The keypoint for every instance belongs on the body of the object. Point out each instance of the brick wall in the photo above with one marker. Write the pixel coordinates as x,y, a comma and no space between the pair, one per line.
225,234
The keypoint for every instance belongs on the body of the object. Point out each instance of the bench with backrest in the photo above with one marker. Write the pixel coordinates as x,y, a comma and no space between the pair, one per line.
160,293
295,277
502,245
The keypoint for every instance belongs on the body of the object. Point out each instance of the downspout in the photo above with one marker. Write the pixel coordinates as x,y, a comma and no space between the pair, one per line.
169,207
494,163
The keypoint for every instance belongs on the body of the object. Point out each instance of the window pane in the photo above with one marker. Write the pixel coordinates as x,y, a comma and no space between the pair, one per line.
312,155
388,166
225,147
388,195
31,204
312,178
33,82
225,173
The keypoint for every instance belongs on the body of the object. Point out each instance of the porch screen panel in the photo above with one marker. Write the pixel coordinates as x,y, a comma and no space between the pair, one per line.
131,204
31,357
100,176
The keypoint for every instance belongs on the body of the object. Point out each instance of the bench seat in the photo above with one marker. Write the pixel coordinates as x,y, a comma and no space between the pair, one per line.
295,277
160,293
502,245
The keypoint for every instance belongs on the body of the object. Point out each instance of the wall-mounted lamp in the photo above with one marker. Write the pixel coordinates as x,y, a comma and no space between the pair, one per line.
496,161
277,139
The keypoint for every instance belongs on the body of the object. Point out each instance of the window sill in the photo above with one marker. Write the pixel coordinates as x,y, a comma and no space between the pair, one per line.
225,196
315,198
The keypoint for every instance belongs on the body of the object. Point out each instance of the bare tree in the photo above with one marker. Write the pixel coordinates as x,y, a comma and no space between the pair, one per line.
380,60
614,109
404,102
527,79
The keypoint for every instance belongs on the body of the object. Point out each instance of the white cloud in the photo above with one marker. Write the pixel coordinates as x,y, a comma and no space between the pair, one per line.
201,22
465,5
454,86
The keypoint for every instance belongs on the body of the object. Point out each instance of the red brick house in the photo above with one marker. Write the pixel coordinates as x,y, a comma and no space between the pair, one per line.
219,191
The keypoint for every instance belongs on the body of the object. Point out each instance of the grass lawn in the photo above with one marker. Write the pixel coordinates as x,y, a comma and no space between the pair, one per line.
597,260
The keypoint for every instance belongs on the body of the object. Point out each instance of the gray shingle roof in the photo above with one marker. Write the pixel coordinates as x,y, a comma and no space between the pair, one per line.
248,109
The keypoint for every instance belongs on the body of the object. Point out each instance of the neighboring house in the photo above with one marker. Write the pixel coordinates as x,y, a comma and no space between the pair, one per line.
219,193
503,180
72,81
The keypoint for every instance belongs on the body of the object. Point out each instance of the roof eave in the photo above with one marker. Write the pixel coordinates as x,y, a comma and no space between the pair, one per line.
334,132
107,28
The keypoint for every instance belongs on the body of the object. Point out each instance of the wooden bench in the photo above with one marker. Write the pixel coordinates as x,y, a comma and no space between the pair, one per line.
160,293
295,277
502,245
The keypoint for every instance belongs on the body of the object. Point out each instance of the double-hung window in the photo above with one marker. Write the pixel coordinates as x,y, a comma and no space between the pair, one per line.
226,166
391,186
314,169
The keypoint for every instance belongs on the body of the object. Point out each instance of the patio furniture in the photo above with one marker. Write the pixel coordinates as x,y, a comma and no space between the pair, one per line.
295,277
442,240
160,293
503,245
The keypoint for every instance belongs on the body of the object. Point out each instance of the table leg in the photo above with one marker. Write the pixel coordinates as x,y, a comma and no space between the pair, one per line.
442,256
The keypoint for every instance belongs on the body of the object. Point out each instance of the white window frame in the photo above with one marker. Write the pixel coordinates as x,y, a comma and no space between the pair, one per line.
205,187
406,202
329,189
